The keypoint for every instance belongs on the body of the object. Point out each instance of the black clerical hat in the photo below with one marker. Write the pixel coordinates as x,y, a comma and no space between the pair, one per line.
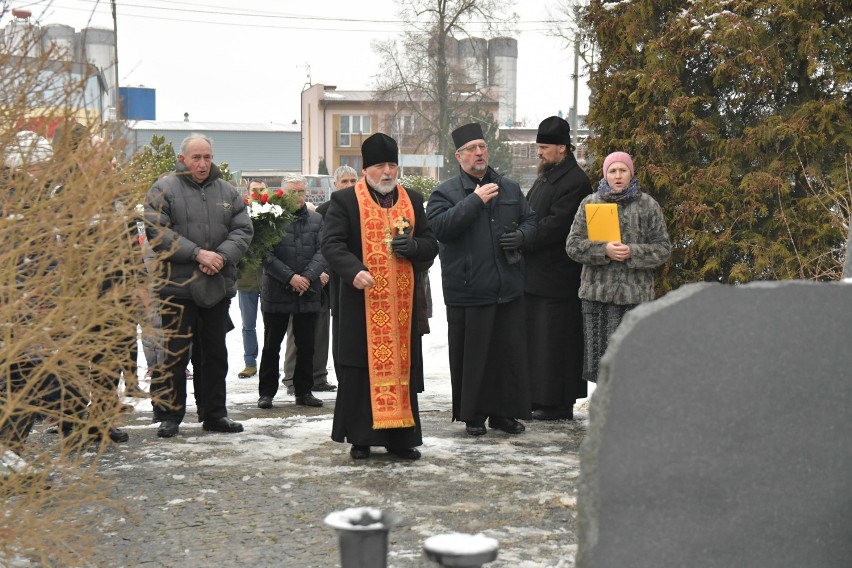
379,149
554,130
464,134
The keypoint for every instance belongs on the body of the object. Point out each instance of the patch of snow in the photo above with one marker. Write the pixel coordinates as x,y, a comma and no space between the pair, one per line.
460,544
359,519
609,6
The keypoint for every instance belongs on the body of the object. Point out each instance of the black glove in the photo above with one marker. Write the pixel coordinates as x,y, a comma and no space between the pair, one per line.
511,240
404,246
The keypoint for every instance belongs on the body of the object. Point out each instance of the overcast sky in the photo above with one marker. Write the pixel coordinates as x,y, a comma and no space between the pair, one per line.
248,61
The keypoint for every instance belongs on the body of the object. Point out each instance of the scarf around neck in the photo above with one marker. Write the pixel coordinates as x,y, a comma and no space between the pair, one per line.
631,193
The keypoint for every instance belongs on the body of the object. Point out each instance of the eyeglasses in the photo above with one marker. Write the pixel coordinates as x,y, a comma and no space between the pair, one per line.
482,147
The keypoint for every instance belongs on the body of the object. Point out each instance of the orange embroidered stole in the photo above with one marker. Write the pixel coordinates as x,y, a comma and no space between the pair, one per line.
389,306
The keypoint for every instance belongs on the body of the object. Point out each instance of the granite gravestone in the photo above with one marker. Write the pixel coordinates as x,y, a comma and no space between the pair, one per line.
720,433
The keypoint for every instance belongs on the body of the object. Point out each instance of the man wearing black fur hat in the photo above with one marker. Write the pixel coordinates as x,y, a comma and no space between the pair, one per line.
482,219
377,240
552,280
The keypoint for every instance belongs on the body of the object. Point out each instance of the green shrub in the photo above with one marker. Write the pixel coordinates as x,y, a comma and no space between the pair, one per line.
421,184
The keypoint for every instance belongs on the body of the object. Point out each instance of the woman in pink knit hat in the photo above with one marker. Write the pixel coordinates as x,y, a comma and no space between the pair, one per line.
617,275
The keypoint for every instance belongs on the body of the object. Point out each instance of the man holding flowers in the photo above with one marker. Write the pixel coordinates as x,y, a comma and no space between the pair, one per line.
291,289
248,292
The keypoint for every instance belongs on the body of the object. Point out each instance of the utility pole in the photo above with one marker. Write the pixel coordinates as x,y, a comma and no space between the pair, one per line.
576,77
115,63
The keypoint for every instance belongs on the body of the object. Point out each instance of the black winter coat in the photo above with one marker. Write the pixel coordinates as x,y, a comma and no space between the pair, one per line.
342,249
555,197
474,270
297,253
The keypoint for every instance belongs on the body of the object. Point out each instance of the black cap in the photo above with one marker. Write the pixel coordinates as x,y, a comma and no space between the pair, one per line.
554,130
464,134
379,149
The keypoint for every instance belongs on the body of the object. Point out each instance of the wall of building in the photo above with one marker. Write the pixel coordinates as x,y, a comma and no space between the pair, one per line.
242,146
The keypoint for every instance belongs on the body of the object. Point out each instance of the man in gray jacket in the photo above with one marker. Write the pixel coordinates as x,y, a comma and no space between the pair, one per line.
199,226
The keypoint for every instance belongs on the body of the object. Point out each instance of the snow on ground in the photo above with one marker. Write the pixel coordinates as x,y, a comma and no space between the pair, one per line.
218,499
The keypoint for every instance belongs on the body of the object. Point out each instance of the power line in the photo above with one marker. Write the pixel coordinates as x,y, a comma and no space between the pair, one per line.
219,11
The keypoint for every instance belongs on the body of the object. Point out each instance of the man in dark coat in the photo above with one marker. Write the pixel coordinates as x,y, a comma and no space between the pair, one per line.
199,225
554,329
481,220
344,176
376,241
292,291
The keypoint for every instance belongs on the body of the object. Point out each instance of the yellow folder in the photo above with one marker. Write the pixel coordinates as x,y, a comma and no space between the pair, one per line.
602,222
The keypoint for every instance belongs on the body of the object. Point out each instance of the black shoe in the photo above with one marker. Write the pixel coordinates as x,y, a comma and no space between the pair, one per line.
118,436
291,390
475,428
508,425
264,402
93,434
223,424
308,400
552,413
405,453
324,387
359,452
168,429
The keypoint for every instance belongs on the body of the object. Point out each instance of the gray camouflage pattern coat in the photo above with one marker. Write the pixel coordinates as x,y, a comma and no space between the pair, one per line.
643,228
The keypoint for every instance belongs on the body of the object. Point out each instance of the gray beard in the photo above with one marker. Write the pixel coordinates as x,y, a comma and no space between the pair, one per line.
386,187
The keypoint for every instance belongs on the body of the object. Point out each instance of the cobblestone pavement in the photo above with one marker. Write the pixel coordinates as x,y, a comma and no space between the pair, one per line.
259,498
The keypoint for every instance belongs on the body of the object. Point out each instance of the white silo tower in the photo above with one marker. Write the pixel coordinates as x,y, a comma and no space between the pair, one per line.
473,60
21,36
451,49
97,46
503,73
59,41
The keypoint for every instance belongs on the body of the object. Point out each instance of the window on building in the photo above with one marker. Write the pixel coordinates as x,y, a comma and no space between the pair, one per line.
353,161
401,126
353,124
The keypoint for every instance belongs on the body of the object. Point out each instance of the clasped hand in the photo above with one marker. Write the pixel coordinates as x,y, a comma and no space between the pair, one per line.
209,262
300,284
618,252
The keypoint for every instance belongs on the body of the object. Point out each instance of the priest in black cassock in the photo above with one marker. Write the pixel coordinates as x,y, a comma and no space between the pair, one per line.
378,242
482,220
554,329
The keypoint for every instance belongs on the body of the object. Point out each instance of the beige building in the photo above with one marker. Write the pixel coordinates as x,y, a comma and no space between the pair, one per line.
334,123
521,141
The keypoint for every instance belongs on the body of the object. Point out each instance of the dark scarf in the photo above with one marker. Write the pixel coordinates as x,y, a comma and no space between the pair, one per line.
631,193
385,201
490,176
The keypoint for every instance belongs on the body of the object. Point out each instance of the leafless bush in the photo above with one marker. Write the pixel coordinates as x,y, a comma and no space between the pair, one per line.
71,279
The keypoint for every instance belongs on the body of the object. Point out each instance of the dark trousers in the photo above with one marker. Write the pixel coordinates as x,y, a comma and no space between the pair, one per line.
488,361
118,358
44,393
275,328
185,323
